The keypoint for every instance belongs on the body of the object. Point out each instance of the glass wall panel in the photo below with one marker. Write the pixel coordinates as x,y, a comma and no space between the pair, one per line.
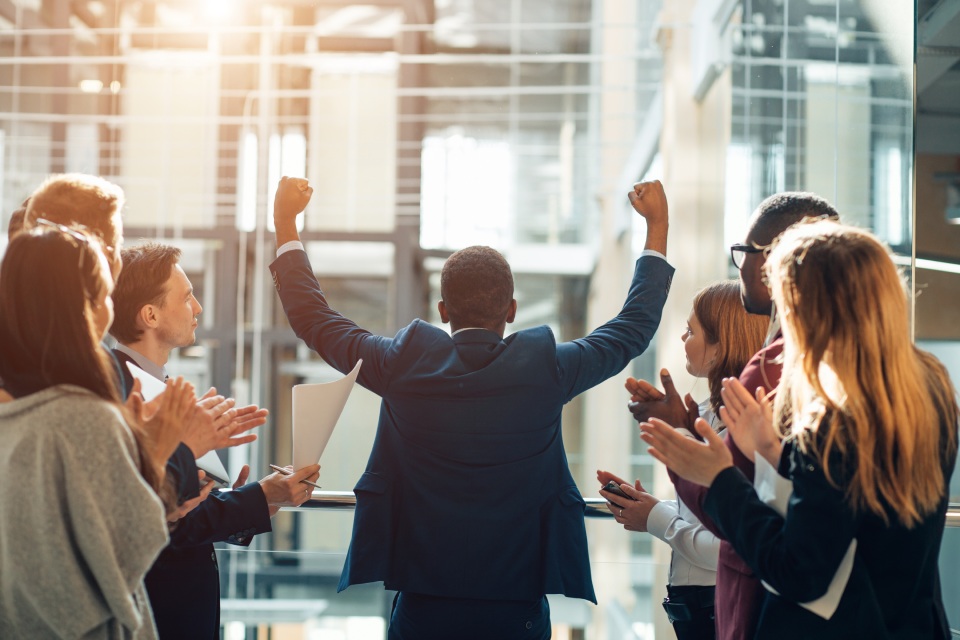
823,103
937,234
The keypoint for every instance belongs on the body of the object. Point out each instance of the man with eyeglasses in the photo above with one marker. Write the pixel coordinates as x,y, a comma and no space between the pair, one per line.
739,593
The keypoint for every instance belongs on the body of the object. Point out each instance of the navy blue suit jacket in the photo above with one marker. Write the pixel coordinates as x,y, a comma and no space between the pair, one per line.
184,582
467,492
894,589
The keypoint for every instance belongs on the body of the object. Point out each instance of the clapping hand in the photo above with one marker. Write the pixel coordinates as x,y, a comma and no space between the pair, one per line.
244,419
218,424
213,413
698,462
163,421
750,421
649,402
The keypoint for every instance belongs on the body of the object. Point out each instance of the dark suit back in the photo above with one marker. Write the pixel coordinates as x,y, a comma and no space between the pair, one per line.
467,492
184,582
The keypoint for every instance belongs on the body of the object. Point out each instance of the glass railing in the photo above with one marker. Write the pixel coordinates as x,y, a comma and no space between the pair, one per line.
294,594
268,592
596,507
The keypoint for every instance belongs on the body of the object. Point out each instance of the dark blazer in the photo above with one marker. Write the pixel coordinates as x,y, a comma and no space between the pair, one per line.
182,466
467,492
739,593
894,589
184,582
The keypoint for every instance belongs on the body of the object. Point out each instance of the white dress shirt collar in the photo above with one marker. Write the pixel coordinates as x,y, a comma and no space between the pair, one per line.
157,371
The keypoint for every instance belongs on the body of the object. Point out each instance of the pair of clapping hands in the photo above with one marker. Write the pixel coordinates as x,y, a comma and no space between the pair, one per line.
206,424
748,419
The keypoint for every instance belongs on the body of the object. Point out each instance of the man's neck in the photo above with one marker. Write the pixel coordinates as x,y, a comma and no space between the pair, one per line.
151,350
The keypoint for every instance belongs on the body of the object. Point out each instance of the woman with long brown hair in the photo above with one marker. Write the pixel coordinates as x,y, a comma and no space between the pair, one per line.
719,340
80,519
869,440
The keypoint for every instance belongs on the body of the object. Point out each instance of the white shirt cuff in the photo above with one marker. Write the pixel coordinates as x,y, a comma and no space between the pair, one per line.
651,252
660,517
293,245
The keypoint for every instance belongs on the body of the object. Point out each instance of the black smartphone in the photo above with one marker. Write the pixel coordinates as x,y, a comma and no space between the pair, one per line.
614,488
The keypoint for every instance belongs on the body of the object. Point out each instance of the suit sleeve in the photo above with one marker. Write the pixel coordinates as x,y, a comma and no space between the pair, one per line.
338,340
182,471
232,516
586,362
799,554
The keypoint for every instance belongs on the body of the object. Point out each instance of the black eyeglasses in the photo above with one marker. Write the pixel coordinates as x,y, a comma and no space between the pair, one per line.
738,252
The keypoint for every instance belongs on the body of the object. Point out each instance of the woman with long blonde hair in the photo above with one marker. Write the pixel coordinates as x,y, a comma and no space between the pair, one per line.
869,428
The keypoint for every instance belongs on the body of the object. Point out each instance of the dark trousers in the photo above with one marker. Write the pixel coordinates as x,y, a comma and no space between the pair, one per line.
690,610
419,617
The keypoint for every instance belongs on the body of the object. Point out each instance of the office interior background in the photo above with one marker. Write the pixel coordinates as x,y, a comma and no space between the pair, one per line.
429,125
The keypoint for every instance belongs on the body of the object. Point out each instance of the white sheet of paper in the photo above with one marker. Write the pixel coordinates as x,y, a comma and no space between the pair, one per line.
316,409
150,387
210,463
775,492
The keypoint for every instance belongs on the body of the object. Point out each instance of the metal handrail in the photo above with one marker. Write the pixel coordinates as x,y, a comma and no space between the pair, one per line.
953,515
346,500
596,507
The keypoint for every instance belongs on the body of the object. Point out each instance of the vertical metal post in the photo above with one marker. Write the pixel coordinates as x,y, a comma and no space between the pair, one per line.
411,288
60,80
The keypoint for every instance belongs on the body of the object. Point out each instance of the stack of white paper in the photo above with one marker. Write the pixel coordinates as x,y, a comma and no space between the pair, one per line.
316,409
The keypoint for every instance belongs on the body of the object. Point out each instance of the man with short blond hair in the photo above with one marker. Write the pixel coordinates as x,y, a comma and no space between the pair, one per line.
79,198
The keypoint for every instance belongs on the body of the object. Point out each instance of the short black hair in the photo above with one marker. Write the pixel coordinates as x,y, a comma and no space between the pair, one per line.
476,285
783,210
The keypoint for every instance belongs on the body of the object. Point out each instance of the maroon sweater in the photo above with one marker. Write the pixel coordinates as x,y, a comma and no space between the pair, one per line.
739,592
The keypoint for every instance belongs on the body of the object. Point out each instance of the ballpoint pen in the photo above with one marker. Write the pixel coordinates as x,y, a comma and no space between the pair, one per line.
287,472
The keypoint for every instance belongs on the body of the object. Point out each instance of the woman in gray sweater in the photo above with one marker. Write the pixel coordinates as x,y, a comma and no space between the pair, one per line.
80,517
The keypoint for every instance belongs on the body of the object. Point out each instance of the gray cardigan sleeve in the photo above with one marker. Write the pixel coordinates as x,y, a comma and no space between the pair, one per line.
115,518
